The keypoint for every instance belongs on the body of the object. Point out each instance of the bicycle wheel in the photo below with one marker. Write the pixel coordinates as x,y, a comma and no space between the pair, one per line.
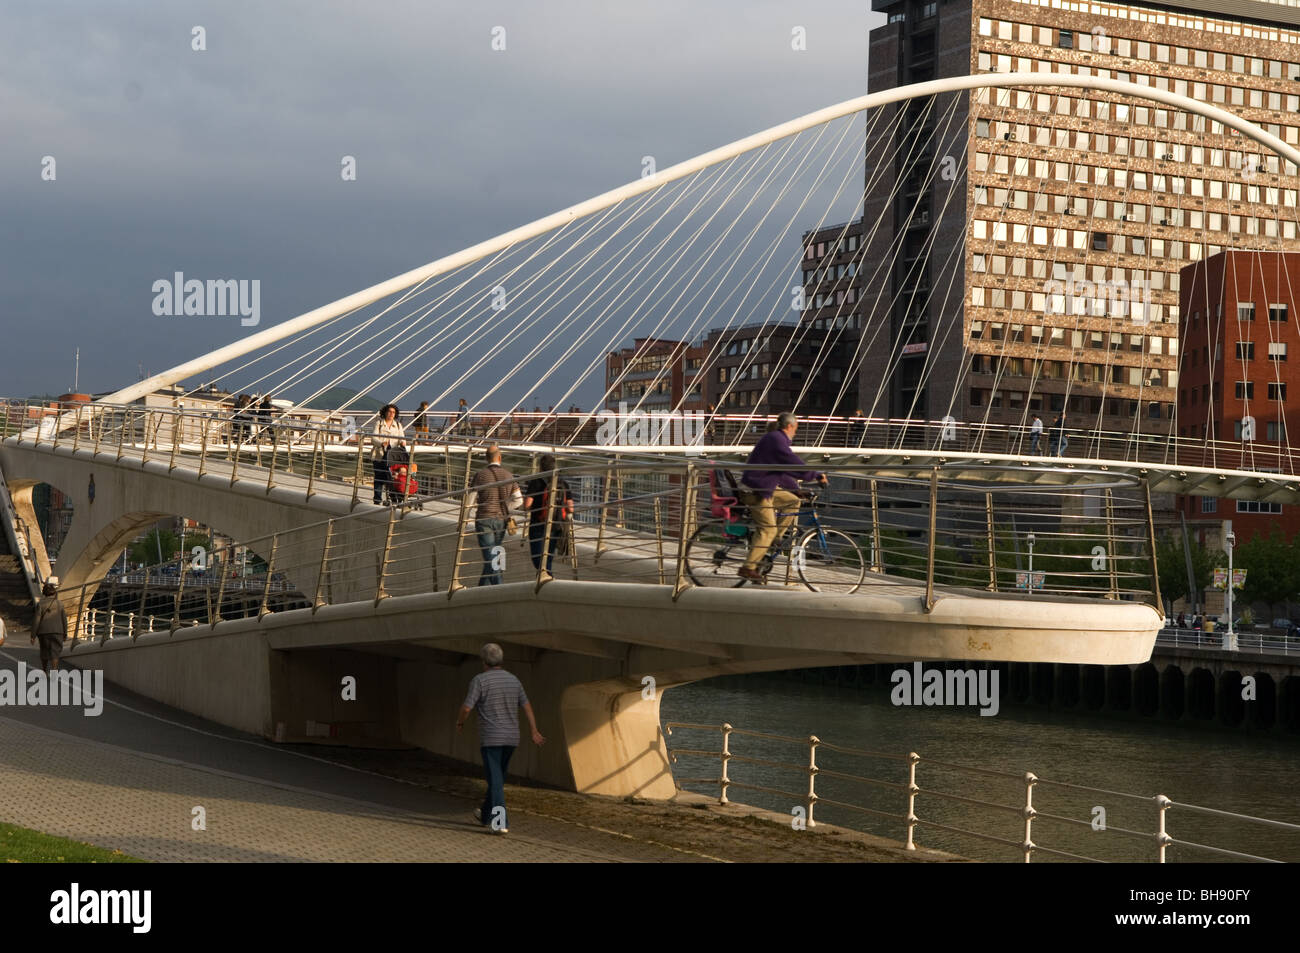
830,561
714,555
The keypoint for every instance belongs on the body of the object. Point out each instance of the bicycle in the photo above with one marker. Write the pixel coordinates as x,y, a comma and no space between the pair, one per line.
826,560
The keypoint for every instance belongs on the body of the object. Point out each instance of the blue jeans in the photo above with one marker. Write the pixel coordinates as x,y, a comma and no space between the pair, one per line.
536,538
491,533
496,759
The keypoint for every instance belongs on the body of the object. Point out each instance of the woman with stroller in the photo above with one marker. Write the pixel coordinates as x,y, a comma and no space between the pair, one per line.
388,436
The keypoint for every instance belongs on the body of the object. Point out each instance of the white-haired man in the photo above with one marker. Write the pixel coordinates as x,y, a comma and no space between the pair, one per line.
496,696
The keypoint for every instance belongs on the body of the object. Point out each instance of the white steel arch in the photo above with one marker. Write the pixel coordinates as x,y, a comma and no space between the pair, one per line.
600,202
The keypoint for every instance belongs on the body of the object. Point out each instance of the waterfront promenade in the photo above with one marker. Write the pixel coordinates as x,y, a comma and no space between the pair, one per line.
131,778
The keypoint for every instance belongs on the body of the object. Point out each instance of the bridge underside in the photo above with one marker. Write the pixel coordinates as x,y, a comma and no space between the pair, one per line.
583,651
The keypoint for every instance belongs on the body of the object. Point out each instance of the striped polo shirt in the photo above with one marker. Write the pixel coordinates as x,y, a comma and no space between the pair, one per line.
496,697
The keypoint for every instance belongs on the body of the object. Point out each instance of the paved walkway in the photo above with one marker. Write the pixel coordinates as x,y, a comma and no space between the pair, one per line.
131,778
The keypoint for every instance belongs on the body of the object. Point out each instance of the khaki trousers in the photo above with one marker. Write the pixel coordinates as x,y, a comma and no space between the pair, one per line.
767,524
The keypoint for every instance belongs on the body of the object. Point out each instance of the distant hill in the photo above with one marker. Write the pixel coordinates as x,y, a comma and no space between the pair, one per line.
339,398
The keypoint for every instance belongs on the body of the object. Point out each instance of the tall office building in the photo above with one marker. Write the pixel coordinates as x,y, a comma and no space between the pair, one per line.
1054,285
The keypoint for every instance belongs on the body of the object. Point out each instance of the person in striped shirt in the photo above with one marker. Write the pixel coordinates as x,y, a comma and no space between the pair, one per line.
496,697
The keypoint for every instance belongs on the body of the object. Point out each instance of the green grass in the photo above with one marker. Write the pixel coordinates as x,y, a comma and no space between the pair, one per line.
18,845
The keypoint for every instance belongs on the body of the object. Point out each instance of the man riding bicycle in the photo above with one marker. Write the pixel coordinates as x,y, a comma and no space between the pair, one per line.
774,489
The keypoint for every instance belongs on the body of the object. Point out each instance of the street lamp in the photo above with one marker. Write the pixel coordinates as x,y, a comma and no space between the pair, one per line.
1030,540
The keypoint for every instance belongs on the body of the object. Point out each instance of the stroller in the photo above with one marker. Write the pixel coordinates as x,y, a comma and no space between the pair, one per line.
401,475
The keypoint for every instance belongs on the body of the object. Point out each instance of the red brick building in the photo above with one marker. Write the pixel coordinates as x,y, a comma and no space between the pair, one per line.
1240,381
657,374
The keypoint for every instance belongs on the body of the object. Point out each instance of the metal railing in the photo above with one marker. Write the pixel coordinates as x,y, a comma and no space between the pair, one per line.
668,523
912,796
216,428
1246,642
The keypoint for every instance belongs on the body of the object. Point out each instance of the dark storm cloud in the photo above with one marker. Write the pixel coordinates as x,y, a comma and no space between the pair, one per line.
225,162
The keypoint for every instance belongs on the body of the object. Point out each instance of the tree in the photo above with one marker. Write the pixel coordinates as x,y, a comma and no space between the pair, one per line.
1272,568
146,549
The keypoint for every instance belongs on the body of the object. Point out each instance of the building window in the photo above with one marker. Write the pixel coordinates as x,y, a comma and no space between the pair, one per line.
1274,431
1277,390
1277,312
1246,350
1067,40
928,10
1099,241
1245,311
1245,390
1209,504
1256,506
1276,351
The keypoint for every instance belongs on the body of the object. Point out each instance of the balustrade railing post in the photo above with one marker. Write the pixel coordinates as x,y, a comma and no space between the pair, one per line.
1110,545
180,593
461,522
81,612
725,781
176,440
130,626
144,594
604,511
112,625
912,791
380,594
356,477
543,572
680,583
813,742
121,431
76,431
96,427
659,538
993,559
214,614
317,601
316,449
1163,804
203,445
275,450
270,573
1029,812
149,417
1151,541
929,554
877,563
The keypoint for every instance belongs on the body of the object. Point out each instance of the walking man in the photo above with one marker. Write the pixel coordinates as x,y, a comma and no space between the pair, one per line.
776,490
493,511
496,697
50,625
1036,434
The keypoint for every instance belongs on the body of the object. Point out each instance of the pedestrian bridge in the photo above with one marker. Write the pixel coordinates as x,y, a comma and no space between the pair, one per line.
388,596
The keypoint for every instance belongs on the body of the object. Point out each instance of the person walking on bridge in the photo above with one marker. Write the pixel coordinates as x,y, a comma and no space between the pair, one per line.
50,625
775,489
496,697
388,436
495,499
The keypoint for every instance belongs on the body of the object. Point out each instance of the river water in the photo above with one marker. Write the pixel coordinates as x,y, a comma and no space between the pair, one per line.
1245,773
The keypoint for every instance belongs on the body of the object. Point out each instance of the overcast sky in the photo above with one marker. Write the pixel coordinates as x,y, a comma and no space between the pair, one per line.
225,162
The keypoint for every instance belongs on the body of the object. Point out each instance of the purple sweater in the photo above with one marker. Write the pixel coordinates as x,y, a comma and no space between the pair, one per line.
774,448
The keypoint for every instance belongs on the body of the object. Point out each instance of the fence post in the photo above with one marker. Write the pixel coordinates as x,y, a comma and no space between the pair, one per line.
270,573
1163,804
316,448
380,595
76,433
144,595
144,453
234,462
688,510
912,791
96,427
180,593
929,555
176,428
121,432
275,449
813,742
324,562
1029,845
725,781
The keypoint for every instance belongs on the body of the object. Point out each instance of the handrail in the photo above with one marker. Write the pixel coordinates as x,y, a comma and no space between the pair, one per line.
1160,837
